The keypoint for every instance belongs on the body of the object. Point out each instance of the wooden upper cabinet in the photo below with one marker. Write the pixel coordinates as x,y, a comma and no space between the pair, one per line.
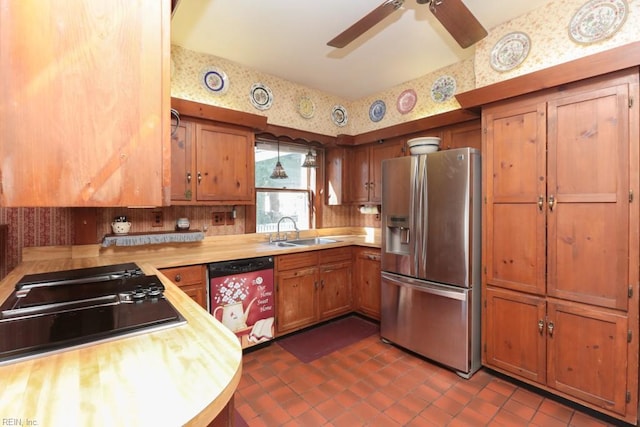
588,197
225,164
515,190
466,134
335,176
182,162
85,103
212,164
365,170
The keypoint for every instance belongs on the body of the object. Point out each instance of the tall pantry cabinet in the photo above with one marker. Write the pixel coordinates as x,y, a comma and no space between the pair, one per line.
561,245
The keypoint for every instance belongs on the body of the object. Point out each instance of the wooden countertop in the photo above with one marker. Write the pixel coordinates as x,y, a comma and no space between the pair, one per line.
183,375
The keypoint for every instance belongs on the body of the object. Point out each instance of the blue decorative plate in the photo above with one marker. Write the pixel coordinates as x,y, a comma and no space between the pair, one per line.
215,80
377,110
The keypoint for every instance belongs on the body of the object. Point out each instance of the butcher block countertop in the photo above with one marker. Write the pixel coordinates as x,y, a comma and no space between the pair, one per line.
183,375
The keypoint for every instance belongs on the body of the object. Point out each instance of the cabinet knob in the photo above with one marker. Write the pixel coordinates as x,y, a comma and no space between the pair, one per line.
189,177
540,202
199,177
178,278
541,326
550,327
552,202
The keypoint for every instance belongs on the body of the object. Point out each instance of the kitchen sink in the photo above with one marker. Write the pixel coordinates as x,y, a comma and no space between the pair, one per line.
303,242
312,241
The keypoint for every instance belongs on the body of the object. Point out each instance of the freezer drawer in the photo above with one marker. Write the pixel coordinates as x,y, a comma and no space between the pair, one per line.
439,322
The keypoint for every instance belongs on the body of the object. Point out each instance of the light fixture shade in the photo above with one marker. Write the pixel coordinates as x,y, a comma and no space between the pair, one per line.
278,171
310,161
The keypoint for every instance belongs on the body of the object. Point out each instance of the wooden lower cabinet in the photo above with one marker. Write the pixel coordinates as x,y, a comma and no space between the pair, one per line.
312,287
367,281
191,279
572,349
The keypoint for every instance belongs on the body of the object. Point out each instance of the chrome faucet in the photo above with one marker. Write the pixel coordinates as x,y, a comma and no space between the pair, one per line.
280,239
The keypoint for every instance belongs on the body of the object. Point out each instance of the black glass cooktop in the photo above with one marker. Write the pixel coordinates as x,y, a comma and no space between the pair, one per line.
54,311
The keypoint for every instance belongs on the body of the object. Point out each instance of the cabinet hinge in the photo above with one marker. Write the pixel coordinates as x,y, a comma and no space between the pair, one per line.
485,200
484,268
629,335
484,130
630,196
630,102
628,397
630,292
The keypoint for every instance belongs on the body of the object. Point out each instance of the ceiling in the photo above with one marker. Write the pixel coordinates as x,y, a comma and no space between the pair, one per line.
288,39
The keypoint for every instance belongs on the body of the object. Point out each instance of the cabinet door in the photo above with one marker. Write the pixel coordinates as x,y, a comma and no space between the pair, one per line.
359,175
85,103
588,197
182,177
335,290
192,280
335,179
380,152
514,179
296,295
224,164
464,135
587,354
513,330
367,282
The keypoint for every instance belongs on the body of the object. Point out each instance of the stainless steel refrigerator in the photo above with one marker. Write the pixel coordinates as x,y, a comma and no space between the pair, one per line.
430,290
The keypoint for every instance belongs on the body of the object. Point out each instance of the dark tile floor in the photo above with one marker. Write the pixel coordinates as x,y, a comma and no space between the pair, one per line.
371,383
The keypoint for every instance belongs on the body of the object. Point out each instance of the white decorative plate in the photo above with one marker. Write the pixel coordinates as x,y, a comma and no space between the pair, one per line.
406,101
510,51
261,96
339,115
443,89
597,20
306,107
377,110
215,80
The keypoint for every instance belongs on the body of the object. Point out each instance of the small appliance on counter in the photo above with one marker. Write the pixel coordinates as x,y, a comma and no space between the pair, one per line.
52,312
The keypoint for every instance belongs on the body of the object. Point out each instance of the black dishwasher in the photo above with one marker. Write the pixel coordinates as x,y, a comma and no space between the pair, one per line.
242,297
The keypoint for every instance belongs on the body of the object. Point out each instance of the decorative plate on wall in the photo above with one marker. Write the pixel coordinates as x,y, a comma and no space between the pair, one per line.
261,96
377,110
306,107
215,80
443,89
510,51
406,101
597,20
339,115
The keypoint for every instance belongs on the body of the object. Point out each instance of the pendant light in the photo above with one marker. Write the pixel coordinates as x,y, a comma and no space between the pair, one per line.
278,170
310,161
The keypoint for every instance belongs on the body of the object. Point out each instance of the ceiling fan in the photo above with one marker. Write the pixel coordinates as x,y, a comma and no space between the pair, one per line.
454,16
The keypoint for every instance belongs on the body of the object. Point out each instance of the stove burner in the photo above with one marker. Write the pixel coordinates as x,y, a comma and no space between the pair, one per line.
151,291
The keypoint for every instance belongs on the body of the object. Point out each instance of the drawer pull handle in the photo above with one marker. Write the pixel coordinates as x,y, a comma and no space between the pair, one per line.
178,278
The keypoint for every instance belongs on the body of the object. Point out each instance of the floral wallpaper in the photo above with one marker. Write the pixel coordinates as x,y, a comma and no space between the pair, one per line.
548,30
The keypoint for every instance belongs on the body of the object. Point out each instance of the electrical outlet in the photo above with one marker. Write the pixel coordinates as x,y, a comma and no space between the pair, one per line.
217,218
156,220
229,219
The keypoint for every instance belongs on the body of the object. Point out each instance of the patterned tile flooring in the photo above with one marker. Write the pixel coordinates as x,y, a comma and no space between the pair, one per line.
371,383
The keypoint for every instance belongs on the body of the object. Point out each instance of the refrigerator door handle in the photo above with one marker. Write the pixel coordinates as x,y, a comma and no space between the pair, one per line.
440,290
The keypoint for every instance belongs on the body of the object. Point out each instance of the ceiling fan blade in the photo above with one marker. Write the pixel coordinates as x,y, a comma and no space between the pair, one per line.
360,27
458,20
